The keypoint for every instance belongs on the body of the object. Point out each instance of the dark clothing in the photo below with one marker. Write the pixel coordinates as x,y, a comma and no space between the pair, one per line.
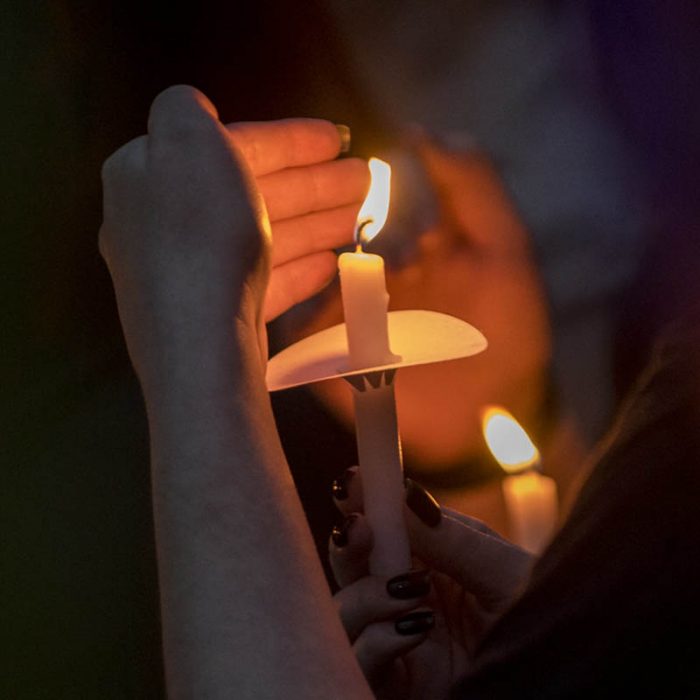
612,607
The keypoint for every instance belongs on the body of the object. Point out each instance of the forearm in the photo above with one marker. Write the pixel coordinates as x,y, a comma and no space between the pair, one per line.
246,608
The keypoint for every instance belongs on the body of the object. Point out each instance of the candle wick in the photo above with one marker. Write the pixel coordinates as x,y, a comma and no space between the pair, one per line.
359,229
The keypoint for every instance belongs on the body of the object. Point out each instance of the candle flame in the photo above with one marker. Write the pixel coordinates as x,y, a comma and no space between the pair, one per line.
375,208
508,442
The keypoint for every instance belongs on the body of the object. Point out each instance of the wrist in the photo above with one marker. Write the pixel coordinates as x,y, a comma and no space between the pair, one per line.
201,361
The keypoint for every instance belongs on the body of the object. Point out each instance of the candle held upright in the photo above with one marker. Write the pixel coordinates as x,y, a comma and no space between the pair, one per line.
530,497
365,307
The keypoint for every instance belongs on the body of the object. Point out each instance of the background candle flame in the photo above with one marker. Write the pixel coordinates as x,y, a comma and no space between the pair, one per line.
508,442
375,208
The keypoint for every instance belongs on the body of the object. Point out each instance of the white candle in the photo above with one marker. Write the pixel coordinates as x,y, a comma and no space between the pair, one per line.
531,502
365,304
530,497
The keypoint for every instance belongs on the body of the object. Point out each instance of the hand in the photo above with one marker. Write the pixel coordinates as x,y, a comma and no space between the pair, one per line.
186,236
312,201
476,265
475,574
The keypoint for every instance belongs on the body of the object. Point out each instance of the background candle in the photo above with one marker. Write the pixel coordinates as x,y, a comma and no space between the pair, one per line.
530,497
531,501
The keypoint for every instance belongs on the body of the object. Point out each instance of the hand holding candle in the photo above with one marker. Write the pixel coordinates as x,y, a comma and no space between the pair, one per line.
530,497
360,351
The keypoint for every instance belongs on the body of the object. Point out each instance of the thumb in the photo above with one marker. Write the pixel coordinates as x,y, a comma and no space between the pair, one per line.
472,197
483,563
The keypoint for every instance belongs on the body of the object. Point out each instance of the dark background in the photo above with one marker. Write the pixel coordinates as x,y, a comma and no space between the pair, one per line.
78,581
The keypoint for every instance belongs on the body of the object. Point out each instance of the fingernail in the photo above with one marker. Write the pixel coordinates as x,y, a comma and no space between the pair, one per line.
414,584
339,533
340,485
415,623
422,504
345,137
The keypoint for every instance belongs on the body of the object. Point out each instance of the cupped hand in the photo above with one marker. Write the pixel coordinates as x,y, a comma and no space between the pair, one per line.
184,233
197,215
312,201
464,573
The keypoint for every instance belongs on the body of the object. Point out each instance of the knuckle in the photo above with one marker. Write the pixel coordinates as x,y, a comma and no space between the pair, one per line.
181,111
125,160
173,97
185,127
374,638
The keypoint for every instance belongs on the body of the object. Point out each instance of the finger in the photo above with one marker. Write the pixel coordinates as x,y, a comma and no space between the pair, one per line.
349,548
297,280
347,491
287,143
347,494
381,643
489,567
374,598
299,191
473,198
474,523
311,233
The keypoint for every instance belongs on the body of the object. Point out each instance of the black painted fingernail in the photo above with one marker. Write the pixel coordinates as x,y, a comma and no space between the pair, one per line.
414,584
340,485
339,533
415,622
345,137
422,504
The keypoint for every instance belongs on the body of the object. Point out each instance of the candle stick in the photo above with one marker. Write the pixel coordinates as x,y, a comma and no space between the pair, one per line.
379,452
530,497
365,305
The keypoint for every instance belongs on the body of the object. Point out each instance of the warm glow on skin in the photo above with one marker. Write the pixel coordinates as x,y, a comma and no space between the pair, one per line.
508,442
375,208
